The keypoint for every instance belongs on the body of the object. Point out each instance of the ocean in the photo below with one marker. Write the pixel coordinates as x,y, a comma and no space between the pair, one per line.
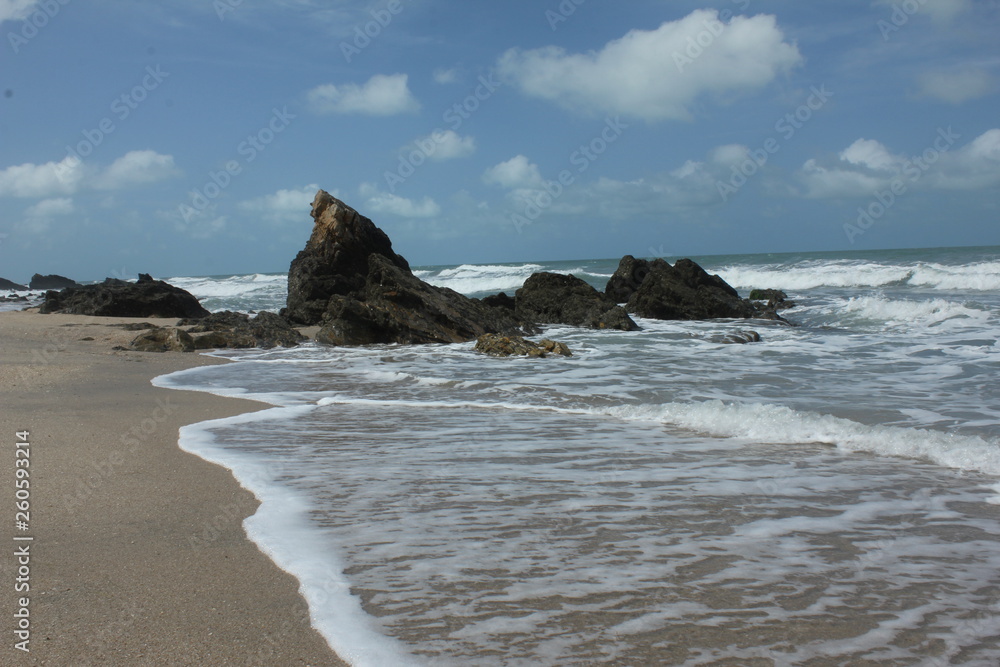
828,496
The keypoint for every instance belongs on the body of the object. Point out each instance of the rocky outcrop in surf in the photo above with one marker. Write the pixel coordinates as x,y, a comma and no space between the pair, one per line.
349,281
6,285
40,282
684,291
553,298
117,298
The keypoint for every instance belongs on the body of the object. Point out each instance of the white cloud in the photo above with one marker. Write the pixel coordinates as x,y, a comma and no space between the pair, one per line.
445,145
12,10
382,95
38,218
657,74
42,180
72,175
384,202
867,167
871,154
285,205
136,167
517,172
958,85
445,76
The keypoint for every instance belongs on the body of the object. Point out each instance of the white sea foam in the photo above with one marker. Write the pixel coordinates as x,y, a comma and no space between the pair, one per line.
478,278
766,423
981,276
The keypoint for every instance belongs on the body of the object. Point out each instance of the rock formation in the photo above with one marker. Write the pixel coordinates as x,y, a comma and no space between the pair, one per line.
238,331
552,298
40,282
9,285
684,291
349,280
118,298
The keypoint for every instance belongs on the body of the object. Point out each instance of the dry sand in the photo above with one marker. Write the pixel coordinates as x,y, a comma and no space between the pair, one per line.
115,576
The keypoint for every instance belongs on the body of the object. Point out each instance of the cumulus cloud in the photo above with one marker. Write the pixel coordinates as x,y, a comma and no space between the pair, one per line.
384,202
288,205
72,175
42,180
134,168
957,85
443,145
657,74
12,10
382,95
517,172
39,217
867,167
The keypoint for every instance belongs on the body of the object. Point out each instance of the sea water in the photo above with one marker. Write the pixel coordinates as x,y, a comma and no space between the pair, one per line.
827,496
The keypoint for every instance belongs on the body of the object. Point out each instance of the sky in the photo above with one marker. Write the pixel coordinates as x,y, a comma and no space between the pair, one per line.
189,137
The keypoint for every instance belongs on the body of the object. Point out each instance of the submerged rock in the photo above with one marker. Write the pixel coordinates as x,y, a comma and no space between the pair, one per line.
496,345
553,298
40,282
349,280
117,298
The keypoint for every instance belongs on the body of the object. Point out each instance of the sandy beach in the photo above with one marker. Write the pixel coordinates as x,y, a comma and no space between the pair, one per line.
138,553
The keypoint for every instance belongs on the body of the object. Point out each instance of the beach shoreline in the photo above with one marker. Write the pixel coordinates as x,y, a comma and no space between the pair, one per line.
138,553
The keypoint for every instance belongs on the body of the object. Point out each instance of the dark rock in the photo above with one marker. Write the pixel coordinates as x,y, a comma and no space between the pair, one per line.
9,285
117,298
776,300
335,259
627,278
397,307
40,282
767,295
238,331
552,298
221,321
685,291
349,280
496,345
500,300
163,339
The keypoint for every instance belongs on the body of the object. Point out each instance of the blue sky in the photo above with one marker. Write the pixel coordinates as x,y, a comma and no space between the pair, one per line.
189,137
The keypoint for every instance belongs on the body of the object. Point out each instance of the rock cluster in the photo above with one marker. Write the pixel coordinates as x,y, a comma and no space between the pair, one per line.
118,298
684,291
552,298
